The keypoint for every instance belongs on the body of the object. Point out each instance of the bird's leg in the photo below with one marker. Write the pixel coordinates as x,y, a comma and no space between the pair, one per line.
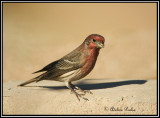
68,84
84,91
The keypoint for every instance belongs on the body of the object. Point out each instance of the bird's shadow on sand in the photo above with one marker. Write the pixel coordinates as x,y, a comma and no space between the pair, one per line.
93,86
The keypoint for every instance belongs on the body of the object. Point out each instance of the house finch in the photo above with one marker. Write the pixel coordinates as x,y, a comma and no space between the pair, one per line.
73,66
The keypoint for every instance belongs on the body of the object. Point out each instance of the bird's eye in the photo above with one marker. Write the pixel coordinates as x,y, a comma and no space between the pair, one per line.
94,40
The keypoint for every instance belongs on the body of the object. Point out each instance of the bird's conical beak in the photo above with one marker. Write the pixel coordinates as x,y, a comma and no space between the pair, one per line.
99,45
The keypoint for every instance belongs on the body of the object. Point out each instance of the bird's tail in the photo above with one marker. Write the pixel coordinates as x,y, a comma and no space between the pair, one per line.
28,82
36,79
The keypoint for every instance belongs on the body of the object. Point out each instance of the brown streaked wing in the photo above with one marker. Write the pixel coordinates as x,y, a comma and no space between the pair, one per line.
66,64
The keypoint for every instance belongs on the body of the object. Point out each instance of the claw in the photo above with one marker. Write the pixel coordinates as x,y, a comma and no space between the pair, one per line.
85,91
85,99
88,91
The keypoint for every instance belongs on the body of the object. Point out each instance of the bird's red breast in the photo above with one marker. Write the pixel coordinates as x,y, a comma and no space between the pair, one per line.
91,59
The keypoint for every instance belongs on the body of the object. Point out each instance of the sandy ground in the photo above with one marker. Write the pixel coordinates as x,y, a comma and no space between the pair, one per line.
110,96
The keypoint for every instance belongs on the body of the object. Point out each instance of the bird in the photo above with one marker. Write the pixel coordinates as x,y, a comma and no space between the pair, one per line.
73,66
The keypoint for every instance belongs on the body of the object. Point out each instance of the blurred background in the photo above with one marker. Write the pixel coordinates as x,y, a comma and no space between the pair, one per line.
35,34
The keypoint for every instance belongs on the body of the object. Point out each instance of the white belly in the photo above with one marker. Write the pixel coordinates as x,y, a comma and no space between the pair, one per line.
70,76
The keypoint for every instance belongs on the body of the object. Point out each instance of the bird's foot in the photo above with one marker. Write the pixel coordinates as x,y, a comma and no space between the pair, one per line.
79,95
75,89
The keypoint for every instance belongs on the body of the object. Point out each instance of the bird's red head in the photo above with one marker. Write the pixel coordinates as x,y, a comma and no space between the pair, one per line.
95,41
